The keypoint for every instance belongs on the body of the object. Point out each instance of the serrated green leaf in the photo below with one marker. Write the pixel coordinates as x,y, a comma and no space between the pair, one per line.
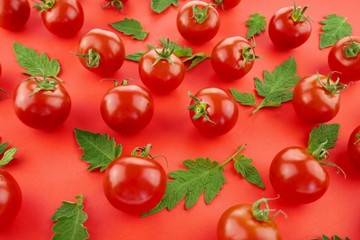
3,147
160,5
256,24
195,60
8,156
325,136
335,237
179,51
135,56
246,99
70,218
130,27
244,166
99,149
334,28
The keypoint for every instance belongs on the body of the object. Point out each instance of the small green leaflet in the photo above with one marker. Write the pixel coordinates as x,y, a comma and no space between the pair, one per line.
256,24
244,98
70,218
195,60
324,136
334,28
335,237
135,57
99,150
8,155
243,166
130,27
35,64
160,5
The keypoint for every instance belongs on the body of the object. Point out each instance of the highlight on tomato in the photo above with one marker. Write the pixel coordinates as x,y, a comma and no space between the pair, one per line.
353,148
226,4
14,14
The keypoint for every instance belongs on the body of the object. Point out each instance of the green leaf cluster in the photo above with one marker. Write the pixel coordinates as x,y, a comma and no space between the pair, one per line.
334,28
323,137
256,25
7,154
335,237
160,5
130,27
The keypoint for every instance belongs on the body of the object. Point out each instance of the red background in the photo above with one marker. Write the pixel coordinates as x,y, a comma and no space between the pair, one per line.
49,169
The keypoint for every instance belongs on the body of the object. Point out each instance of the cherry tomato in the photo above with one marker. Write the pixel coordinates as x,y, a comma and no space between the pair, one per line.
232,58
101,51
226,4
197,21
289,28
10,198
45,109
63,18
344,57
127,108
297,176
134,184
213,112
14,14
353,148
313,101
161,71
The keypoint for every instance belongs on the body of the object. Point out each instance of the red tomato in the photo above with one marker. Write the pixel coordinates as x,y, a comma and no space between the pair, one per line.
213,111
45,109
197,21
101,51
226,4
134,184
239,223
161,75
297,176
353,148
344,57
10,198
313,102
232,58
288,28
127,108
14,14
63,18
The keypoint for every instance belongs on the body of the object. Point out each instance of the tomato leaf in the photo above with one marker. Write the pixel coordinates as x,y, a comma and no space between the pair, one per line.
130,27
135,57
323,137
244,166
179,51
256,24
35,64
335,237
8,154
334,28
246,99
195,60
99,150
160,5
70,218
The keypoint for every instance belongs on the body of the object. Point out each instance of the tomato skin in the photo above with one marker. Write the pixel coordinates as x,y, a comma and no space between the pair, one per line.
297,177
127,108
285,33
227,59
163,77
10,198
221,109
193,31
14,14
226,4
337,60
110,47
65,18
353,148
43,110
238,223
134,184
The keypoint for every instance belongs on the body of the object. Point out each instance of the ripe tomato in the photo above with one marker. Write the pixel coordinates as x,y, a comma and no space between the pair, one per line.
10,198
127,108
134,184
297,176
45,109
197,21
313,101
14,14
161,71
63,18
353,148
289,28
213,111
344,57
226,4
101,51
232,58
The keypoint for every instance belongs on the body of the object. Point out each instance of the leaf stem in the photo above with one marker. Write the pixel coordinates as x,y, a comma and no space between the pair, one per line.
232,157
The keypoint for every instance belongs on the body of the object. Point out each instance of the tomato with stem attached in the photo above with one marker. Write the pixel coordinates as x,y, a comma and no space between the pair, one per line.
14,14
226,4
353,148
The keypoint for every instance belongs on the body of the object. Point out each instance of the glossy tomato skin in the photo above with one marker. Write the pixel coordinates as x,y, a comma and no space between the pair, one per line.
312,102
10,198
14,14
221,109
193,31
109,46
297,177
163,77
127,108
226,4
65,18
337,60
238,223
134,184
227,59
43,110
285,33
353,148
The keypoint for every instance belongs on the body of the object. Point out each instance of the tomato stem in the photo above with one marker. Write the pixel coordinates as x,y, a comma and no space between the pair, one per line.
297,14
166,52
143,152
45,5
199,108
92,56
234,156
117,4
333,88
352,49
200,15
262,215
